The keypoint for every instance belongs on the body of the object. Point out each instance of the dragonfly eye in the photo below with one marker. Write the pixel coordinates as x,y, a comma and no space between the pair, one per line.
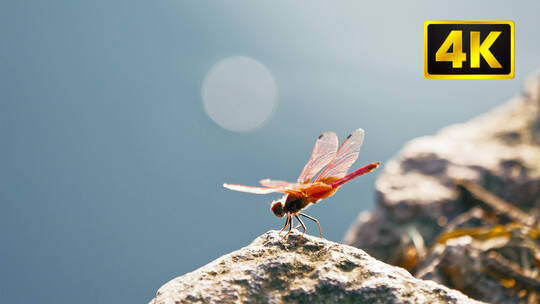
277,208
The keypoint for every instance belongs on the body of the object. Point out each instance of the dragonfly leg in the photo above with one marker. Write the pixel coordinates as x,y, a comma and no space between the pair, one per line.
303,226
291,223
286,223
313,219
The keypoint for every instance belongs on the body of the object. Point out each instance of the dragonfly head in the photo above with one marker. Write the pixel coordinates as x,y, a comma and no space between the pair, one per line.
277,207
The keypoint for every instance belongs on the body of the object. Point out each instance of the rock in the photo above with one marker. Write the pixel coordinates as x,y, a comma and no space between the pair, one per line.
489,252
475,267
499,150
271,270
417,196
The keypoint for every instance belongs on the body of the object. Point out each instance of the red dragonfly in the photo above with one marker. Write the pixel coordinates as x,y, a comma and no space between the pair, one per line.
309,190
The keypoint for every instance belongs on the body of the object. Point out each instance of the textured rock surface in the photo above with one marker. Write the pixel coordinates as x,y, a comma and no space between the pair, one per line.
416,192
417,200
480,269
491,252
270,270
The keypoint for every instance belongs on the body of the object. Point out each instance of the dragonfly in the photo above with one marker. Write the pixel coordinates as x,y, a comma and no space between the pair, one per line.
332,161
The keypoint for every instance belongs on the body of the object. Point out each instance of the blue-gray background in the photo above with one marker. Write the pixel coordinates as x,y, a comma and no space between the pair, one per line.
110,170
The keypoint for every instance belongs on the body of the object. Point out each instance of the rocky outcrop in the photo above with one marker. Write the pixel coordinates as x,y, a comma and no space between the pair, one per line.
272,270
417,199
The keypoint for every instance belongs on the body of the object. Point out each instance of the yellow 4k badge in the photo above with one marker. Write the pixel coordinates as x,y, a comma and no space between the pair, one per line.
468,49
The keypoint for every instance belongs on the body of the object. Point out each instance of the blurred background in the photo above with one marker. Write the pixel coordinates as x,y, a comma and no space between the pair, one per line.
120,120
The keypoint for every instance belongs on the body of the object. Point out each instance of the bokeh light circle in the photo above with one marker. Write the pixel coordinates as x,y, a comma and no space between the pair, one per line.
239,93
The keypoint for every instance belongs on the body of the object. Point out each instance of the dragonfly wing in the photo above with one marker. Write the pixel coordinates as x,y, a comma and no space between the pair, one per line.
290,189
345,156
274,183
323,152
250,189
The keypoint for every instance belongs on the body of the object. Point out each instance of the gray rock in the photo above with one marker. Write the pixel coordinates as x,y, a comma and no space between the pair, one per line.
418,202
499,150
477,268
271,270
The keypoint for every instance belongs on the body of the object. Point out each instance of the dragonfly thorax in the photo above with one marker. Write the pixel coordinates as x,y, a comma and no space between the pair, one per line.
294,204
288,204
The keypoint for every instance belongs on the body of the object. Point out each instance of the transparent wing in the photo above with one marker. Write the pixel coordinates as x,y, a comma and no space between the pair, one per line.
290,189
345,156
274,183
250,189
323,152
